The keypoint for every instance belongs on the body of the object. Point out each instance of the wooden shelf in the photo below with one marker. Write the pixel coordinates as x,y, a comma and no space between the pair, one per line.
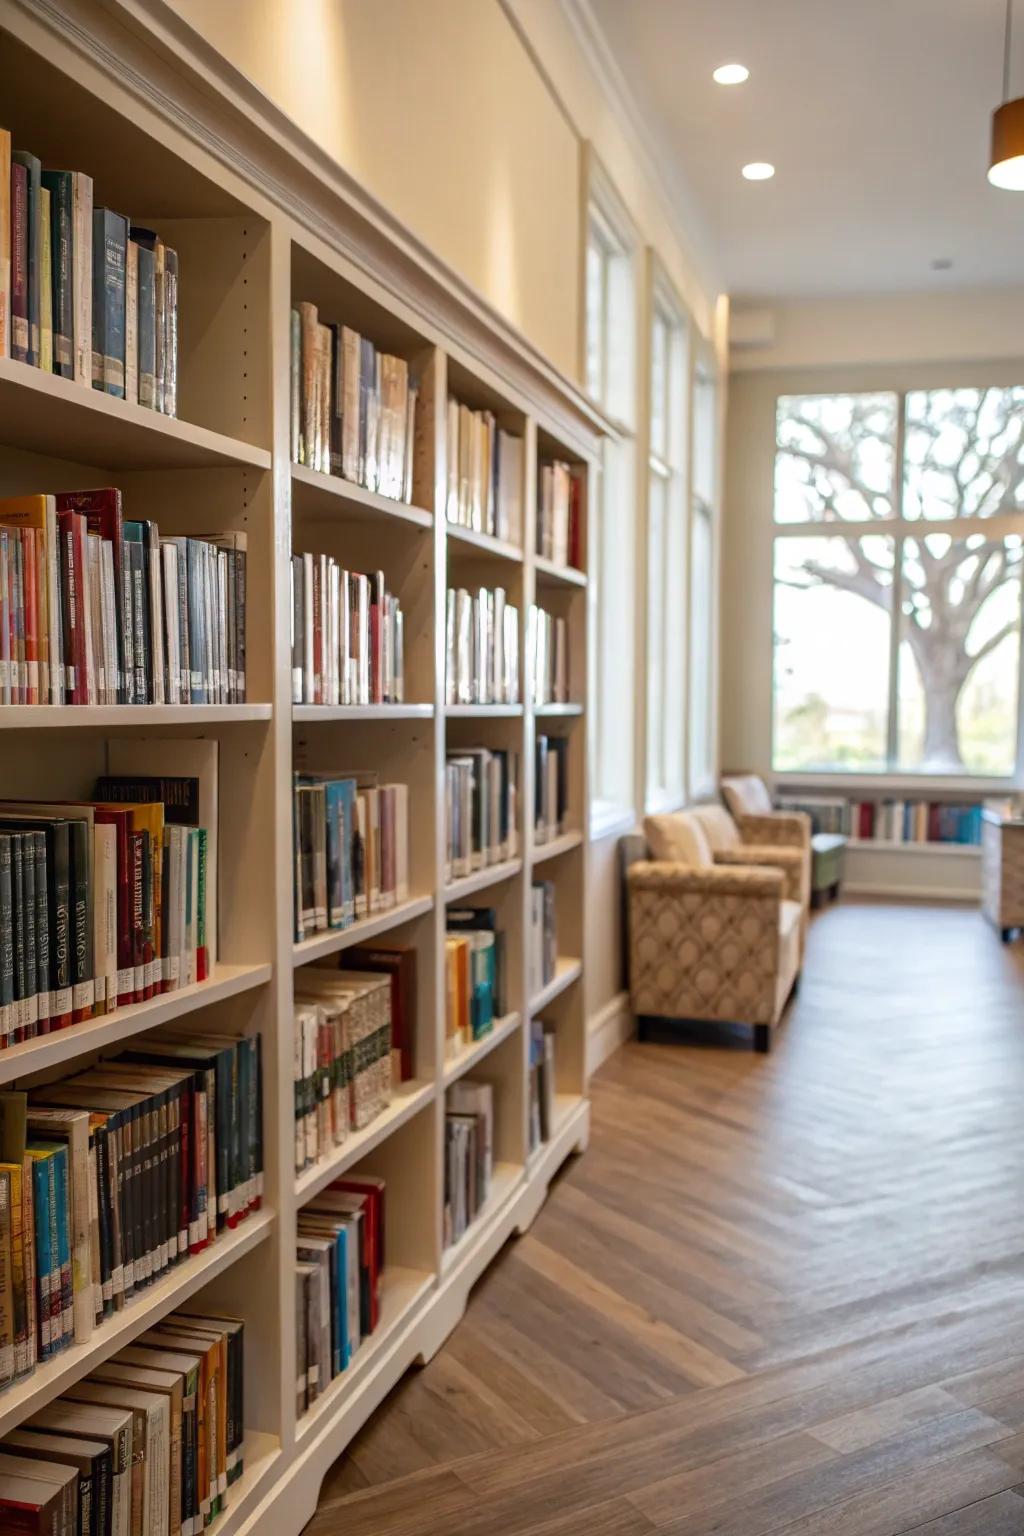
566,972
65,1045
480,879
483,711
105,717
551,575
557,711
564,843
402,1293
316,495
570,1119
333,940
52,1376
44,413
308,714
474,1053
262,1454
505,1180
484,544
407,1100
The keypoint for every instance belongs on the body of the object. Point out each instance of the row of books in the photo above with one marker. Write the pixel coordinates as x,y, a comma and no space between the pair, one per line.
346,634
480,809
343,1055
97,609
107,902
541,1121
83,292
548,657
110,1178
468,1155
891,820
340,1258
351,837
481,647
541,936
474,976
485,474
559,515
550,787
353,409
150,1443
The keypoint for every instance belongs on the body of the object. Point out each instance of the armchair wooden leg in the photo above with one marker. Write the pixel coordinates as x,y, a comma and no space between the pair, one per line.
762,1038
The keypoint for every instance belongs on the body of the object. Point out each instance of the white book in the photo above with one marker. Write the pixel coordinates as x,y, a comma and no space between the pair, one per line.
172,641
131,323
308,665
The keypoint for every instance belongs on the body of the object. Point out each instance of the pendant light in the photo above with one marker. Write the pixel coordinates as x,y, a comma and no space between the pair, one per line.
1006,168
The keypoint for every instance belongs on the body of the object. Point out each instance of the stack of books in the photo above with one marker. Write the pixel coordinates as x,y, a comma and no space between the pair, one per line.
468,1155
480,809
84,293
542,1083
550,787
353,409
548,658
558,515
481,647
347,635
111,1178
474,976
351,849
485,474
153,1440
340,1258
97,609
541,937
111,901
343,1055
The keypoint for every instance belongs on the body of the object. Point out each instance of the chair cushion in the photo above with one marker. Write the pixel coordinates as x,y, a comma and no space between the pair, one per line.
790,924
789,919
678,839
828,842
746,795
718,826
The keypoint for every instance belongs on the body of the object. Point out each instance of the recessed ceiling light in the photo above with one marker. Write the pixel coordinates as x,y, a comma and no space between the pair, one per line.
759,170
731,74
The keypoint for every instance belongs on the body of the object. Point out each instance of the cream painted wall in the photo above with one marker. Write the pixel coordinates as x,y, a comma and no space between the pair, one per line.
437,109
750,460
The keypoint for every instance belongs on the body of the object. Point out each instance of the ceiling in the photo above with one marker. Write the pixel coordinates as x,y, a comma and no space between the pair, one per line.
875,114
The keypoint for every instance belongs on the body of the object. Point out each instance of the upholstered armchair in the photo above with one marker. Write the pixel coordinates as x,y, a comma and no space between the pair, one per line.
750,806
707,941
759,840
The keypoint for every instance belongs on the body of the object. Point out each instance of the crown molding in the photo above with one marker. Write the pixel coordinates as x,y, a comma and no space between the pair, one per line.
682,211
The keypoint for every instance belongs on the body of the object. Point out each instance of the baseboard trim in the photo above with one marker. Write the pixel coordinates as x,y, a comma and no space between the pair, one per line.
911,892
607,1029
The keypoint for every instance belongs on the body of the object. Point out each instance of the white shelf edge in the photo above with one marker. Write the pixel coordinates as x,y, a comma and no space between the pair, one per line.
473,1054
53,1376
486,543
407,1100
567,575
557,711
506,1181
549,1156
332,940
483,711
480,879
95,1034
262,1452
403,1292
336,489
564,843
319,713
63,717
566,972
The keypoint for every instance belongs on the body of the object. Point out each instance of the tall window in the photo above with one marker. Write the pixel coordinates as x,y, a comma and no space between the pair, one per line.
701,728
609,350
898,559
666,550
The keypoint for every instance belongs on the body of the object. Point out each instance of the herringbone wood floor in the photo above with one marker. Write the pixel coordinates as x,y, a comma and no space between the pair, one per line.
778,1294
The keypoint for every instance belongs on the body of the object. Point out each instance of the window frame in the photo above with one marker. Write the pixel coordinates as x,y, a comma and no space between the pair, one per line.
899,528
703,779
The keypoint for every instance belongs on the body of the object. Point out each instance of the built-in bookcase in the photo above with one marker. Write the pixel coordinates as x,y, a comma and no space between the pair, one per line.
258,230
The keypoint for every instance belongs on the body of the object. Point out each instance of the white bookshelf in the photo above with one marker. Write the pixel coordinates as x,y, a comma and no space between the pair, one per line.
260,222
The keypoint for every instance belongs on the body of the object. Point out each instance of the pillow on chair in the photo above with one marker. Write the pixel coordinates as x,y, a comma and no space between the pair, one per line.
718,827
746,795
678,839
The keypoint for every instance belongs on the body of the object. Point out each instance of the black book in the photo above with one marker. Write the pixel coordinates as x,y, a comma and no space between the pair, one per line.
33,172
81,926
18,893
92,1461
28,889
6,938
109,259
52,875
146,326
59,186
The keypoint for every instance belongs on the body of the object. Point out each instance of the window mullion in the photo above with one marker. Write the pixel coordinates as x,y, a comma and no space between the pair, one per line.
893,725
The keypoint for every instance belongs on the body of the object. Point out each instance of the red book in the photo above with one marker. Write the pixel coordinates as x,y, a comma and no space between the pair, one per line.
19,263
934,824
30,598
399,962
73,613
372,1189
103,515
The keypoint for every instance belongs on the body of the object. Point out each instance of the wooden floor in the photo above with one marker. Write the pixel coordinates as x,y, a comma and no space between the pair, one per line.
779,1293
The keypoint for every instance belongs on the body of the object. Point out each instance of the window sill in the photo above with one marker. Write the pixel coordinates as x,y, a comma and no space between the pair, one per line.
840,780
610,820
665,801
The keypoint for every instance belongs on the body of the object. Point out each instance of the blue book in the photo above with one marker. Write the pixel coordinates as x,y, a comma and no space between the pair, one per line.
42,1205
109,259
335,808
344,1345
62,1213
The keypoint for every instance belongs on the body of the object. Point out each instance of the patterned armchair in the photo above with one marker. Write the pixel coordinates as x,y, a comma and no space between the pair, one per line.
729,845
707,941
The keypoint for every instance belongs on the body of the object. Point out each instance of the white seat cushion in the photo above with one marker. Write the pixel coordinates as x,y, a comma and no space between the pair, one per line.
790,923
678,839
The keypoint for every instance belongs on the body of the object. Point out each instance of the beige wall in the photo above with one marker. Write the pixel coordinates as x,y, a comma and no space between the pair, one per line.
915,341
